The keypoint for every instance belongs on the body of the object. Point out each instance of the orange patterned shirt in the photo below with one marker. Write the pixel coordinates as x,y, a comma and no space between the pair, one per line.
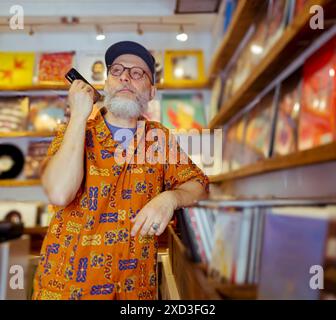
88,252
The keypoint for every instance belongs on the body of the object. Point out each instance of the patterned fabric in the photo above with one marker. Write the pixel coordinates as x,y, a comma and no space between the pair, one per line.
88,252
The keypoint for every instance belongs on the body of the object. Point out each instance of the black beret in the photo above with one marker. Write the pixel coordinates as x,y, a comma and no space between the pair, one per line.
130,47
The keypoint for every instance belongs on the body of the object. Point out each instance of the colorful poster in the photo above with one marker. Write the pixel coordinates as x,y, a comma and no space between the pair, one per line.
46,112
286,134
92,66
183,111
318,103
16,69
53,67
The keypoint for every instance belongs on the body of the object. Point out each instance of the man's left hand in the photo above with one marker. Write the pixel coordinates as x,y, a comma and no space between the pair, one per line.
154,217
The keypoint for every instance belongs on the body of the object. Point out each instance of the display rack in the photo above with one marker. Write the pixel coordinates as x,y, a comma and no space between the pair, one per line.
295,39
191,279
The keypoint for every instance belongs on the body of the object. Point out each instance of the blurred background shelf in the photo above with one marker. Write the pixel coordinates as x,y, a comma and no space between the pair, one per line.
19,134
35,230
241,21
20,183
317,155
295,39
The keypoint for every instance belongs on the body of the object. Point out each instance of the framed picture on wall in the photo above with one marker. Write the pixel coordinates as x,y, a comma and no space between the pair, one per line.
184,67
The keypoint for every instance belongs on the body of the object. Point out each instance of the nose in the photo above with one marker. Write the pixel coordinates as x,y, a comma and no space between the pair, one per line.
125,76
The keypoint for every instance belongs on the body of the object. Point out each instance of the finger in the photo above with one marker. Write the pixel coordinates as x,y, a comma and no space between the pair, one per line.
162,227
151,232
147,227
138,222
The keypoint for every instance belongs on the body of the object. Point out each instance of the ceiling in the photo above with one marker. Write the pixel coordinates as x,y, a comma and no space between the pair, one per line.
111,15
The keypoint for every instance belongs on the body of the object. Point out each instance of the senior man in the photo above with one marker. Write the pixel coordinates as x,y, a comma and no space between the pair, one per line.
111,206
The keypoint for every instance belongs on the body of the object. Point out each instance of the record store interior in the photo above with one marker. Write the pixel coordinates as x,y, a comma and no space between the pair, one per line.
248,90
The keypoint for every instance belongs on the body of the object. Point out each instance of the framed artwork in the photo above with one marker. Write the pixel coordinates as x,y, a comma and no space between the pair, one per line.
184,67
183,111
92,66
53,66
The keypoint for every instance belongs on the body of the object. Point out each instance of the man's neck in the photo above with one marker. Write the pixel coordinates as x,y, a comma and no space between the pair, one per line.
120,122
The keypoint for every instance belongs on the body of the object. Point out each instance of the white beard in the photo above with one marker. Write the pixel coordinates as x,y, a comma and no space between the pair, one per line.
123,107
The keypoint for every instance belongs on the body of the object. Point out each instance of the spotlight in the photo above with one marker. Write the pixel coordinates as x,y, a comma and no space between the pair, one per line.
100,35
181,36
31,31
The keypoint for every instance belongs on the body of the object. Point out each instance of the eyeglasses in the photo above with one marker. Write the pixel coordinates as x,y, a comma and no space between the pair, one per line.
136,73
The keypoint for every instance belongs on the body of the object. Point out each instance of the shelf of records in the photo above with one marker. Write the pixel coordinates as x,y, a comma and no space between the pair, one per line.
46,70
254,249
21,160
279,34
291,125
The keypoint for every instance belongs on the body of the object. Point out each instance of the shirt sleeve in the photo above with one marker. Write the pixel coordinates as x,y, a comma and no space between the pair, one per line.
54,146
179,168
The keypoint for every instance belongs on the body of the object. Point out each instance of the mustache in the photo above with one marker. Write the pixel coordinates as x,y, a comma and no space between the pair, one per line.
122,87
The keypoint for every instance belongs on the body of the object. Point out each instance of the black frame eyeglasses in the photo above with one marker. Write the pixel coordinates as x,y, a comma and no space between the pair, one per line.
136,73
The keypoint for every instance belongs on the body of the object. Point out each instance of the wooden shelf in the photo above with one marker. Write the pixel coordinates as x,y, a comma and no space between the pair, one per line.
20,183
35,230
19,134
295,39
160,86
316,155
242,19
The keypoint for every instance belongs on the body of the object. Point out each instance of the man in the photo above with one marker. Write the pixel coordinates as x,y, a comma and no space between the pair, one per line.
102,241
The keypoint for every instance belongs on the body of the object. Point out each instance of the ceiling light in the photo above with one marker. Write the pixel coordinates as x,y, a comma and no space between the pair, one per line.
31,31
181,36
100,35
332,72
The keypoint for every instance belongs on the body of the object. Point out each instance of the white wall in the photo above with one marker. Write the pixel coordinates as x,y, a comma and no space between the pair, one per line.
18,41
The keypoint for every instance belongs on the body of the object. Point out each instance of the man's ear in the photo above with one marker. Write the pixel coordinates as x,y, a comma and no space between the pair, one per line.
152,93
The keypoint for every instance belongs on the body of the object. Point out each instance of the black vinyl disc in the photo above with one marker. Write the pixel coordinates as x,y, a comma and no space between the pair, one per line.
11,161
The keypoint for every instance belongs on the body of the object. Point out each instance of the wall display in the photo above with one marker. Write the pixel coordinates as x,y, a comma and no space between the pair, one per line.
16,69
11,161
185,67
317,124
91,65
53,66
13,114
286,134
183,111
45,113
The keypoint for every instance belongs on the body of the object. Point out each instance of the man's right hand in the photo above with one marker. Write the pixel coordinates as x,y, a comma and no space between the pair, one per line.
80,100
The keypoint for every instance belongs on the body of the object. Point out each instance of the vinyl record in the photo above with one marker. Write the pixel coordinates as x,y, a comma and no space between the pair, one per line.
11,161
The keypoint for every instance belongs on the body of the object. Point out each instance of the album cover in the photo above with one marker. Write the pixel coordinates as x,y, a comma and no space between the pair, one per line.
13,114
17,69
259,130
277,16
91,65
37,151
183,111
286,134
46,112
318,102
237,140
11,161
53,66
